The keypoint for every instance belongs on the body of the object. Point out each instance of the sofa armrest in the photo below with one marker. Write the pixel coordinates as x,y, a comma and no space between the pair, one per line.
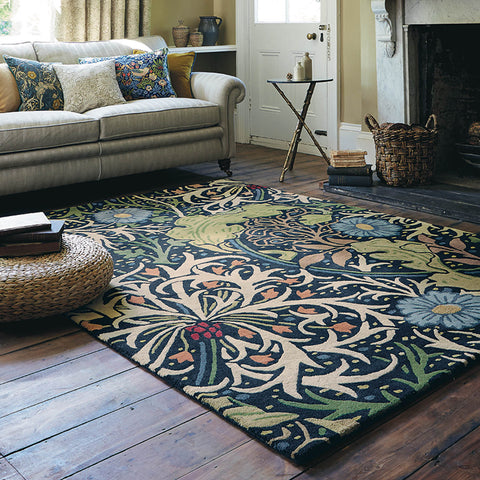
226,91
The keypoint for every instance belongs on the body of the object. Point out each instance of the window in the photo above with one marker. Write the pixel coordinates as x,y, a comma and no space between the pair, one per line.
28,19
5,17
287,11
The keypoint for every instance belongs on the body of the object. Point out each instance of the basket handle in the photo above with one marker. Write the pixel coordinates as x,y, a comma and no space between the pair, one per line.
432,119
371,123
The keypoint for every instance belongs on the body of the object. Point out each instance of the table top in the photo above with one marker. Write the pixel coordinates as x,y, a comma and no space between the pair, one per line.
314,80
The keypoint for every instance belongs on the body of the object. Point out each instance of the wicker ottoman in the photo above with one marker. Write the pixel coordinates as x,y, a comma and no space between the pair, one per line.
44,285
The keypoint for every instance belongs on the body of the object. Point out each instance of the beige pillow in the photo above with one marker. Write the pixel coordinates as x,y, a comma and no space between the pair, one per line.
9,96
89,86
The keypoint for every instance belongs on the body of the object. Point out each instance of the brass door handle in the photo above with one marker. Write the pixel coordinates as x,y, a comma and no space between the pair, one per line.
311,36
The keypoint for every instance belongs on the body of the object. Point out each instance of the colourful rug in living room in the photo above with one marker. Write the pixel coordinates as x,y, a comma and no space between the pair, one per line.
299,320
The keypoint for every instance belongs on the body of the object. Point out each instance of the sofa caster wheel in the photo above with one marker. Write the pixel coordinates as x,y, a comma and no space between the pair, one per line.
224,165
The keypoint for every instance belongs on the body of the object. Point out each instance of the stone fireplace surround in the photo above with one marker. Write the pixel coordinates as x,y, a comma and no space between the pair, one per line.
397,57
396,54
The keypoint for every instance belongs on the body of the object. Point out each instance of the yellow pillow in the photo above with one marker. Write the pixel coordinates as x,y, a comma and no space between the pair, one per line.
9,96
180,68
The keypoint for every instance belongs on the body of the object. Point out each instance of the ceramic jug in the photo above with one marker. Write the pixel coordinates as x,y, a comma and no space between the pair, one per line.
299,72
209,26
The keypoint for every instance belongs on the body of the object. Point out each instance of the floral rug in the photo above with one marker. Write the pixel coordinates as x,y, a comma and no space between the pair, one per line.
299,320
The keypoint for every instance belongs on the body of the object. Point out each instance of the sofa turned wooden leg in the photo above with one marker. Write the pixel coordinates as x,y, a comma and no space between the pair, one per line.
224,165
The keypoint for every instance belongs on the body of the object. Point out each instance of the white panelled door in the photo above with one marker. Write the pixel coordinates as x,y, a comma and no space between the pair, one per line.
281,31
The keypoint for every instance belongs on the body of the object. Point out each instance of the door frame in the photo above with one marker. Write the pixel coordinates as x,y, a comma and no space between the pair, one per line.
245,9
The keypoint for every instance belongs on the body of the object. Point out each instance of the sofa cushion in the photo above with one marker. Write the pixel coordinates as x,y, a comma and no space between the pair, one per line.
180,68
22,131
37,84
70,52
9,96
19,50
141,76
89,86
156,115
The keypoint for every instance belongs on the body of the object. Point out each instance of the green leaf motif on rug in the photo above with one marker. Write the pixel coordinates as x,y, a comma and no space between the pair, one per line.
416,256
316,218
251,416
212,231
418,360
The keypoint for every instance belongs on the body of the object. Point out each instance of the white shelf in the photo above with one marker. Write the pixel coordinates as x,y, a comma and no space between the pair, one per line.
209,49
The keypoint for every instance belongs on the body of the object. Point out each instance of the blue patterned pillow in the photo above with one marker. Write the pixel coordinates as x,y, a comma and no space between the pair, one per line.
141,76
37,84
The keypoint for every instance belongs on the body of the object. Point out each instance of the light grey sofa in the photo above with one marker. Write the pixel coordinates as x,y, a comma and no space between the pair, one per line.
42,149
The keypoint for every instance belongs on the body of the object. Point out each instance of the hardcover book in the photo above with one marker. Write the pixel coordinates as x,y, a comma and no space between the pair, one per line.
24,222
350,180
347,163
348,153
29,248
366,170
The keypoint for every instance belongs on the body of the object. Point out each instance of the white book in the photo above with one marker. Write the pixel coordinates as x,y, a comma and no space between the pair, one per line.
24,222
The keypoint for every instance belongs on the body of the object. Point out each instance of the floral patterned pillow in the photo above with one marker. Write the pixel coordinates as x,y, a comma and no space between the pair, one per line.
37,84
141,76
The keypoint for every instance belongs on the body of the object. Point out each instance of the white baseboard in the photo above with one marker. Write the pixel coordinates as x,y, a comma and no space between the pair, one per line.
351,137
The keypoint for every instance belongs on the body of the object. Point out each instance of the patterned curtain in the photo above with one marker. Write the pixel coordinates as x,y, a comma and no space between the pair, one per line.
81,20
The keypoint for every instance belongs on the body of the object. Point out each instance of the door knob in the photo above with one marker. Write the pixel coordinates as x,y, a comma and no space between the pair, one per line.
311,36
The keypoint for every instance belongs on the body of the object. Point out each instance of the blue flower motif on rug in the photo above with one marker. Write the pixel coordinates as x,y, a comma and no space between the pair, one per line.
443,309
366,227
123,215
298,320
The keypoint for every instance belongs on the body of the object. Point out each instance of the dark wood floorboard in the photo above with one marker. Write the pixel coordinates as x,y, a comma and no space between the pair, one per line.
72,408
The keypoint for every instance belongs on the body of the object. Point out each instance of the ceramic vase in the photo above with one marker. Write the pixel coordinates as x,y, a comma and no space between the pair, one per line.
307,66
299,72
209,26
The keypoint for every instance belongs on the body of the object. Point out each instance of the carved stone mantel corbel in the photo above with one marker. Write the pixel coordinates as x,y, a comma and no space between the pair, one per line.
385,25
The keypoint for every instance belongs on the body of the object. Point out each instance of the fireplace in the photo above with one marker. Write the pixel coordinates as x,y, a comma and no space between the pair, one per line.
427,62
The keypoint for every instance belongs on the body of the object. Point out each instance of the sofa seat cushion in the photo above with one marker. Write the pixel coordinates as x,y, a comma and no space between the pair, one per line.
22,131
155,115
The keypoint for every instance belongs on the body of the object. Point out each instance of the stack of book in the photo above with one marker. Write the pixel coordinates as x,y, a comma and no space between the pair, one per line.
348,167
30,234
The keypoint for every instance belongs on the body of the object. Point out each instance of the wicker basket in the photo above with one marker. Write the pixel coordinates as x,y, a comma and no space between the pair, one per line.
404,153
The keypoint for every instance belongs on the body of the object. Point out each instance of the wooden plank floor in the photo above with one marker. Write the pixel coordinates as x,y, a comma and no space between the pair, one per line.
72,408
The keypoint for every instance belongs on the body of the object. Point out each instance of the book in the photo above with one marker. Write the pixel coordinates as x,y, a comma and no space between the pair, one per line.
347,163
24,222
366,170
348,158
350,180
348,153
44,235
29,248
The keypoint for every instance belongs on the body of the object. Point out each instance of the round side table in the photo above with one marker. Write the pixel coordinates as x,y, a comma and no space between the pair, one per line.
42,285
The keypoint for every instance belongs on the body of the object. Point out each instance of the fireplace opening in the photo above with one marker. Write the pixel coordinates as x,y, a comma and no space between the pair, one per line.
448,85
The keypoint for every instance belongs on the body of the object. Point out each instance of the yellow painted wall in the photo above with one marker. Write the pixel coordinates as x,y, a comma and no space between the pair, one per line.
368,60
356,58
166,13
350,62
225,9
